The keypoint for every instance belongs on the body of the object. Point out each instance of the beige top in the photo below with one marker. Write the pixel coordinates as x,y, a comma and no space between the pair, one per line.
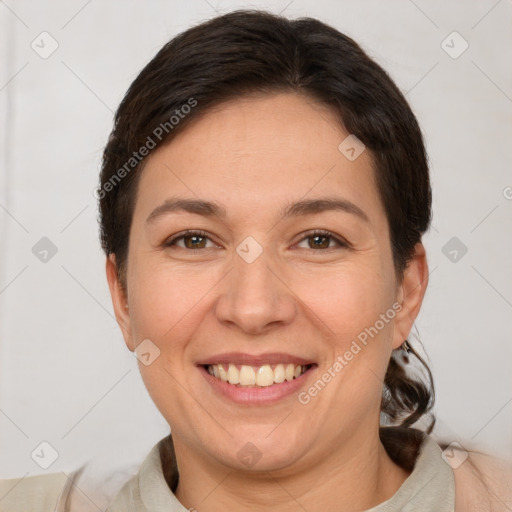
430,487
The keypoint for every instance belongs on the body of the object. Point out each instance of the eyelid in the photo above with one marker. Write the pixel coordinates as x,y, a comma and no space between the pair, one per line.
171,241
342,243
324,232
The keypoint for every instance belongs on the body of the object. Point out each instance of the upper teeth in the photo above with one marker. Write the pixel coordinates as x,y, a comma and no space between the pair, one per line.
259,376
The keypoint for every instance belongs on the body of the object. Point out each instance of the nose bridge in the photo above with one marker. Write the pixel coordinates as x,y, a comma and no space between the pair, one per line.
254,296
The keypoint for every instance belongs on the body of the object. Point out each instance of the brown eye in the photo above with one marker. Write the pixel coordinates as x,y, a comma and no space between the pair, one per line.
322,240
319,241
191,240
194,241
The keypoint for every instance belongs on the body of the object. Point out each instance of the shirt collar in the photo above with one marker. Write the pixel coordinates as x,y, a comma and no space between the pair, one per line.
430,486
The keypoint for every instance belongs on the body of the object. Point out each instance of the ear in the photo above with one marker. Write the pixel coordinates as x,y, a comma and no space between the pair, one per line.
410,294
119,301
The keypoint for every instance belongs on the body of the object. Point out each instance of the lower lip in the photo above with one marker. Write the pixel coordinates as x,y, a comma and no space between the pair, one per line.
256,395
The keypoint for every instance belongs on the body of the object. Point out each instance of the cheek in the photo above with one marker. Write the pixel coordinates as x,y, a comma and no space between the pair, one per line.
167,308
170,302
348,301
166,302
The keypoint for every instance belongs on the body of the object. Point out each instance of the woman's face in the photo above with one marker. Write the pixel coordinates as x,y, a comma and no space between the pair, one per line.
259,290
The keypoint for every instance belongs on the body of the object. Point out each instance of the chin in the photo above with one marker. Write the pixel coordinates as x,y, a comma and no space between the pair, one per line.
260,449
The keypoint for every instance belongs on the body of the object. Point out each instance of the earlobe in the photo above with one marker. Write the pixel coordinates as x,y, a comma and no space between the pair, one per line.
119,300
411,292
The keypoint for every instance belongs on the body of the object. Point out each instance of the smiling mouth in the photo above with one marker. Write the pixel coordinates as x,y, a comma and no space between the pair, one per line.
256,376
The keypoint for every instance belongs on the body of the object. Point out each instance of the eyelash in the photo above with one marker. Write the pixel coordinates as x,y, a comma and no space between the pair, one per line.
310,234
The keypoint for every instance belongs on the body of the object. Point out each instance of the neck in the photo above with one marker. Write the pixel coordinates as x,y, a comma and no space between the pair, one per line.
357,475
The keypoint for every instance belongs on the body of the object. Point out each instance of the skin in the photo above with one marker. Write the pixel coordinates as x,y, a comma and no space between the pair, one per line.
253,156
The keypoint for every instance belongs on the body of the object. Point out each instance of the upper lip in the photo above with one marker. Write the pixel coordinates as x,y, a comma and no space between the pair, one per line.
254,360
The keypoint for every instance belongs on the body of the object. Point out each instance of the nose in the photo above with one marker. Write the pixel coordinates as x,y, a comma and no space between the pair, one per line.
255,296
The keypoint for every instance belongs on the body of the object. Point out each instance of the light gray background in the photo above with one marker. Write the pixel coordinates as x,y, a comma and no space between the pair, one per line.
66,376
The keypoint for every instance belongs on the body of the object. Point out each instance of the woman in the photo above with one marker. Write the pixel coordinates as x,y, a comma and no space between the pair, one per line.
263,198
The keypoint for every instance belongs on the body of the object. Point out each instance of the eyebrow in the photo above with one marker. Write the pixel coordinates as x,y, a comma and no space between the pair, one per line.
299,208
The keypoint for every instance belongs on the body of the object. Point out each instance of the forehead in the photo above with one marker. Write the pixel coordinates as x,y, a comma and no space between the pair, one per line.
254,153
